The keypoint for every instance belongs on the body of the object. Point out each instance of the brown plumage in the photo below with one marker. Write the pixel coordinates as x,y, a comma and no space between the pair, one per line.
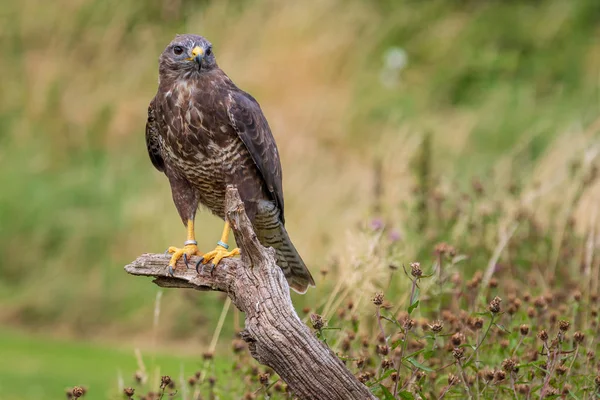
204,133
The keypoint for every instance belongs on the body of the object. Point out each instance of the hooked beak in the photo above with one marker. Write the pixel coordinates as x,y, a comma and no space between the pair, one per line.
197,55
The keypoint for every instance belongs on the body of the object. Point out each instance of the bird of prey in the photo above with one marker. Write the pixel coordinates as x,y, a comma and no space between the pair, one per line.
204,133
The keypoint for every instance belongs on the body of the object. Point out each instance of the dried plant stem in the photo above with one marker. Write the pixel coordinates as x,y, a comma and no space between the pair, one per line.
487,330
405,342
215,338
464,379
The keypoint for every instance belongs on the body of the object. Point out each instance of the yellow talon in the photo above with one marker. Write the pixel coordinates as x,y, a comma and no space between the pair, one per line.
189,249
220,252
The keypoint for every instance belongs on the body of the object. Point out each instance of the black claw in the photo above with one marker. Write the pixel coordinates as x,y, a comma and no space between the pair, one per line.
171,271
185,260
212,268
198,264
167,252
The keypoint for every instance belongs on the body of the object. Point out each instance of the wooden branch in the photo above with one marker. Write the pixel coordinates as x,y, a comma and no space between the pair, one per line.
275,334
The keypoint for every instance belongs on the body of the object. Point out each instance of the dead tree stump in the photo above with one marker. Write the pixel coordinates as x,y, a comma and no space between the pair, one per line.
275,334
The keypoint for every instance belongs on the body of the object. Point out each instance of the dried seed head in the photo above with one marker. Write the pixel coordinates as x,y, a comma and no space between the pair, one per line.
208,355
408,324
415,269
139,376
192,381
212,380
306,310
445,249
129,392
597,381
360,362
524,330
564,325
452,379
539,302
263,379
165,381
317,321
363,377
457,339
437,326
577,295
578,337
499,376
394,376
378,299
493,283
382,349
78,391
476,323
509,365
486,374
386,364
494,306
543,335
458,353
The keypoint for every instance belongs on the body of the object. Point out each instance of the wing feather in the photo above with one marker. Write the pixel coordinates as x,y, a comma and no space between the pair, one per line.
152,142
252,127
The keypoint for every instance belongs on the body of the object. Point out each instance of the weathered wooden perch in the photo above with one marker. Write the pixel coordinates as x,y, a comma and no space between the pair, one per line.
275,334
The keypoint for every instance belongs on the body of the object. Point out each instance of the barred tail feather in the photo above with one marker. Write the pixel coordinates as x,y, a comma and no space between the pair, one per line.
272,233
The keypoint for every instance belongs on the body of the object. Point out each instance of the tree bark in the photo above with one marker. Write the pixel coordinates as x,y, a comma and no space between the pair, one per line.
275,334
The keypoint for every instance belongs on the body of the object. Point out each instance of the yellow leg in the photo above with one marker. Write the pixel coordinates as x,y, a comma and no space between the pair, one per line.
220,252
189,249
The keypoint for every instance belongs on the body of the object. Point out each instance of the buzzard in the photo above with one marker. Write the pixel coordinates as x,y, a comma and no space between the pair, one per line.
204,133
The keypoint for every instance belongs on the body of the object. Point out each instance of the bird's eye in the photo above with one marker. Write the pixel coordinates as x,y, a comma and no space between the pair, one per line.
177,50
209,51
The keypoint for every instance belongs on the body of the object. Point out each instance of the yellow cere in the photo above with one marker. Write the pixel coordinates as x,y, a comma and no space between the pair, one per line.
197,50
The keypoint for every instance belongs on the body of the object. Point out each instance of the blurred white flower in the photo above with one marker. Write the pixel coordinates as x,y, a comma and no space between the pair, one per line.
395,60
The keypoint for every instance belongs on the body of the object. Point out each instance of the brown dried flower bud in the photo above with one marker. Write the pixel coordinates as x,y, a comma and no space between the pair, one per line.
564,325
165,381
263,379
499,376
486,374
524,330
386,364
317,321
494,306
378,299
476,323
578,337
437,326
543,335
452,379
457,339
382,349
129,392
415,269
458,353
78,391
561,369
509,365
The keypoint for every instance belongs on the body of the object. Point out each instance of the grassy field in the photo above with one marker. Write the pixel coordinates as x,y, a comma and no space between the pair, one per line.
40,367
401,125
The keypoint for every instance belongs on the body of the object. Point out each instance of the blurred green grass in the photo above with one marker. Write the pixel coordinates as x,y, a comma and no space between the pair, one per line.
506,90
41,367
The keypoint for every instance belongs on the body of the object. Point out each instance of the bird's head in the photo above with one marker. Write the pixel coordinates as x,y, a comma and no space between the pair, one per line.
187,55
